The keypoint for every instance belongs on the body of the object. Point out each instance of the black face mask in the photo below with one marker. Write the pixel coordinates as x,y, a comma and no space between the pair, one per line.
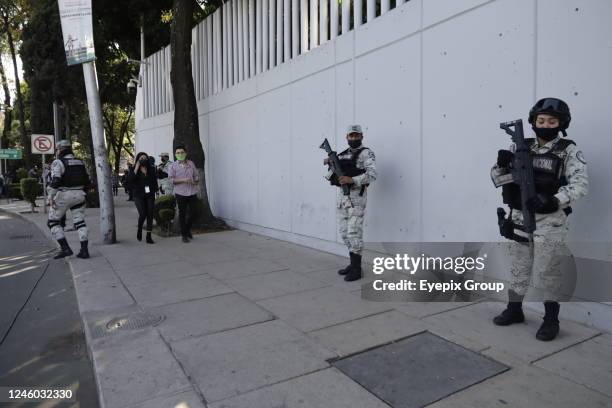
354,143
143,160
547,134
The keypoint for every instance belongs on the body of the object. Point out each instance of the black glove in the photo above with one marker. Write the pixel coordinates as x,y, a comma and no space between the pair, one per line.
543,204
504,158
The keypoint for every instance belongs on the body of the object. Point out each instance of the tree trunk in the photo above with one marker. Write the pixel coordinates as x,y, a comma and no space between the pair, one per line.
8,111
186,127
27,149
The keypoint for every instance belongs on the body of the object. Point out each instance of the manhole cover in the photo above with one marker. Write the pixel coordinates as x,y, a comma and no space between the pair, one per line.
129,322
418,371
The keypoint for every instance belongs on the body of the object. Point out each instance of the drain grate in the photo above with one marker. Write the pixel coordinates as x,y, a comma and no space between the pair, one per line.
132,321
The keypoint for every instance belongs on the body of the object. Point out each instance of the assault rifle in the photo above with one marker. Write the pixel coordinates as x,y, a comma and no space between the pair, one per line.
334,165
522,174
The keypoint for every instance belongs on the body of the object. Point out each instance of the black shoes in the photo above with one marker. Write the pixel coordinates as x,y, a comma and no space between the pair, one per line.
185,239
346,270
550,327
513,312
354,269
84,252
189,235
139,234
149,239
64,249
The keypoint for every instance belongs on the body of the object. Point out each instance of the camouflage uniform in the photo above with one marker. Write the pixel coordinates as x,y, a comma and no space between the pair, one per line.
166,184
551,229
351,209
65,198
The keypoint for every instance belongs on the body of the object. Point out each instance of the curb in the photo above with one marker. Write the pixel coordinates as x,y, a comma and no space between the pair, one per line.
88,338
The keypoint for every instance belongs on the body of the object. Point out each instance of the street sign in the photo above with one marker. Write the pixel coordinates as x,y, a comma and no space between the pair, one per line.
10,154
43,144
77,30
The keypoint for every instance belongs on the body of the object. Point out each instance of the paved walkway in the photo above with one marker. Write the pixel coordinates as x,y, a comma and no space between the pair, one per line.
255,322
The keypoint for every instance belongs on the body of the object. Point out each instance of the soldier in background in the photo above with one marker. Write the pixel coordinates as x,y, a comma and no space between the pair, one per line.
359,166
165,182
560,175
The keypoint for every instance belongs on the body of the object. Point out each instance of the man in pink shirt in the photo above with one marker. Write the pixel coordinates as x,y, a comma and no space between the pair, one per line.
185,178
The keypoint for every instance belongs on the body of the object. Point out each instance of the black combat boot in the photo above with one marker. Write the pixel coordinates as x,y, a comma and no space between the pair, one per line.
513,312
346,270
354,272
550,327
139,234
149,239
64,249
84,252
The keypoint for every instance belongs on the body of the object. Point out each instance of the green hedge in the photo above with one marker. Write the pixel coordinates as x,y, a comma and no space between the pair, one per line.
15,191
29,189
165,202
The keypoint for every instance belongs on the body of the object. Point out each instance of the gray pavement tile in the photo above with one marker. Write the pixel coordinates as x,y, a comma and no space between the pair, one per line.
237,361
525,386
94,263
273,284
241,267
93,277
368,332
330,276
306,263
136,260
163,271
93,296
588,363
322,389
320,308
475,323
186,399
210,315
424,309
138,370
418,370
159,293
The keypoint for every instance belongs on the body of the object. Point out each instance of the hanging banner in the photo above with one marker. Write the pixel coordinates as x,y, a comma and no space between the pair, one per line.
77,30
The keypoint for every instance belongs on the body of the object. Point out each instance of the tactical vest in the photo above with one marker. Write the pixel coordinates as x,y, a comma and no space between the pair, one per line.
75,174
548,173
348,165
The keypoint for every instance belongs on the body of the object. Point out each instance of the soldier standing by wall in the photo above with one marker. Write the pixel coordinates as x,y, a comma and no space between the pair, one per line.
560,176
359,166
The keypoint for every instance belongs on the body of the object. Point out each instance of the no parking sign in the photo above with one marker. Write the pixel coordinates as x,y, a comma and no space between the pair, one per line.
43,144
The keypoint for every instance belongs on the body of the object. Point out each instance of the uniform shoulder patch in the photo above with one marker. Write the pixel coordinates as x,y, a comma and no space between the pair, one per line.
580,157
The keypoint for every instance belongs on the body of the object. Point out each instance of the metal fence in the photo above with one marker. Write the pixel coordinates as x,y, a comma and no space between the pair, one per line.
244,38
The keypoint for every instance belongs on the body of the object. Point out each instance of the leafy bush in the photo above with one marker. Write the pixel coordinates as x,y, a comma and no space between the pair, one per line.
29,190
166,216
165,202
21,173
15,191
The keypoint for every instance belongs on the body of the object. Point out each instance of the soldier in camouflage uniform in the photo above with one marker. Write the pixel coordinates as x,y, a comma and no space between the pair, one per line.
165,182
359,166
69,179
560,175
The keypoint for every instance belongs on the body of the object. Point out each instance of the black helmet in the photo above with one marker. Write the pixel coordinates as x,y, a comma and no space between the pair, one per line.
555,107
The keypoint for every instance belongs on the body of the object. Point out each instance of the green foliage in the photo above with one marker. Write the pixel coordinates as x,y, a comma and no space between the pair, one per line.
21,173
15,191
29,189
166,202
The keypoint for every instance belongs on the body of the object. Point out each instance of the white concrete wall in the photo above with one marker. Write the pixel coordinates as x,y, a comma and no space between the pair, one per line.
429,81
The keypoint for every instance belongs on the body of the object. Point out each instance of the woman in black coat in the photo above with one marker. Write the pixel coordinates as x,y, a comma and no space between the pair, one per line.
143,183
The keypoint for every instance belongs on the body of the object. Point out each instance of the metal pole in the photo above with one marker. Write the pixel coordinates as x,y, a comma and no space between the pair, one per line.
56,124
107,212
44,162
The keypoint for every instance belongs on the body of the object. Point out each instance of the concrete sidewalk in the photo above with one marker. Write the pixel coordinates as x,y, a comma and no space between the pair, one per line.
238,320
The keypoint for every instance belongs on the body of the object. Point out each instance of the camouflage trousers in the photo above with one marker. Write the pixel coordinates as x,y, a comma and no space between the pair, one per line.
64,200
351,210
545,270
